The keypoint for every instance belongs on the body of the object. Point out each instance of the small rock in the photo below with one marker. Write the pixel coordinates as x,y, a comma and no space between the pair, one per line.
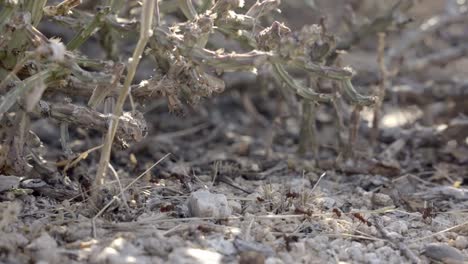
243,245
202,203
44,248
355,253
8,182
156,246
273,260
326,202
461,242
236,206
219,244
119,251
381,199
444,253
399,227
394,236
251,257
372,258
194,255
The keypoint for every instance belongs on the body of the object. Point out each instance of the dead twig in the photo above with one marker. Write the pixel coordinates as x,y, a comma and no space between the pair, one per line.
146,31
93,221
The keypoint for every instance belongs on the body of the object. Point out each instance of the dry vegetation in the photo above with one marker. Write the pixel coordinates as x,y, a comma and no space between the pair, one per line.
228,132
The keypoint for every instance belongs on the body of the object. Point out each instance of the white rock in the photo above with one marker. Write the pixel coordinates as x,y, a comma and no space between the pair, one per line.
119,251
8,182
394,236
194,255
273,260
44,248
326,202
372,258
441,252
382,199
202,203
355,252
221,245
236,206
461,242
399,227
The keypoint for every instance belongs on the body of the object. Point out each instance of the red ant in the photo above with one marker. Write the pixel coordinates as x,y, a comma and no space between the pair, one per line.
166,208
302,211
337,212
427,213
293,195
362,219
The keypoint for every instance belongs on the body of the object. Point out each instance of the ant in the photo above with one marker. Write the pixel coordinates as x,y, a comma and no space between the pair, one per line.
362,219
167,208
292,195
427,213
307,212
337,212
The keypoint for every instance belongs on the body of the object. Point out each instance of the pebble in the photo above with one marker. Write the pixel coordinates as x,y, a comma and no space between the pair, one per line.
236,206
251,257
461,242
372,258
122,251
444,253
326,202
8,182
194,255
399,227
273,260
202,203
381,199
44,248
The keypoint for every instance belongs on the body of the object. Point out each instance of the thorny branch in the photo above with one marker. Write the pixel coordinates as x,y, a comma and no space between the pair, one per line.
186,69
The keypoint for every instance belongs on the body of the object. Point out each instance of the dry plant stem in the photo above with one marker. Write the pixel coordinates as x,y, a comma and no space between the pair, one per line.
22,87
36,8
100,92
339,123
86,32
308,133
15,70
453,228
93,221
381,90
64,138
19,140
252,110
62,8
305,92
6,13
145,33
86,118
72,163
385,76
353,130
117,178
318,181
187,8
